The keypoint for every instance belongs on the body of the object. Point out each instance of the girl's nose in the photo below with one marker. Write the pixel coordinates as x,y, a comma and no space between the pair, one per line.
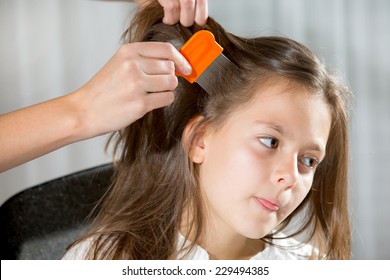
285,174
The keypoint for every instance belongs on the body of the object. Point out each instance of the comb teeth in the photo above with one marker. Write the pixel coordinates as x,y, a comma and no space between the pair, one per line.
206,59
214,72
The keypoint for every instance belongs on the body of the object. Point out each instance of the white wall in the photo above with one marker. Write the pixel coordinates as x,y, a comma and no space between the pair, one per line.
51,47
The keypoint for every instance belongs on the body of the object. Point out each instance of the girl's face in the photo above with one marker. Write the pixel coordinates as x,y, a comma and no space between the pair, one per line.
259,166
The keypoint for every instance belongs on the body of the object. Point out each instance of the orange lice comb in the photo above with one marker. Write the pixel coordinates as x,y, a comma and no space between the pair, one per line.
200,51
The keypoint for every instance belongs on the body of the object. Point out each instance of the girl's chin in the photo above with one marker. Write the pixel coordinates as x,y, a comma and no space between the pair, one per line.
255,234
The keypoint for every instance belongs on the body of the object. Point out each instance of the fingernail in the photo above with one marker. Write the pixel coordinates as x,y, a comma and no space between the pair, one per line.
187,69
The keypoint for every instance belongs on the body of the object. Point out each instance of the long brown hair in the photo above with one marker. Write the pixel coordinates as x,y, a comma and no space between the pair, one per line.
155,182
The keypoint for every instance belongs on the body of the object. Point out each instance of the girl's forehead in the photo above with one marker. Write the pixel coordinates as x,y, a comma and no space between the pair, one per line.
270,90
288,107
284,94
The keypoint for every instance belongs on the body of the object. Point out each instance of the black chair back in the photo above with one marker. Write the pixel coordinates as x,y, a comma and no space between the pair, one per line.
40,222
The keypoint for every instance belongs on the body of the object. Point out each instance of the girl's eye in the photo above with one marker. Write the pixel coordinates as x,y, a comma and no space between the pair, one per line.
269,142
309,162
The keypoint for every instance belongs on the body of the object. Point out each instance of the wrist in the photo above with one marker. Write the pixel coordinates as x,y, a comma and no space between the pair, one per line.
76,113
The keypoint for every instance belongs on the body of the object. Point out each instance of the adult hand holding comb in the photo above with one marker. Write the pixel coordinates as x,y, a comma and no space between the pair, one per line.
144,73
139,77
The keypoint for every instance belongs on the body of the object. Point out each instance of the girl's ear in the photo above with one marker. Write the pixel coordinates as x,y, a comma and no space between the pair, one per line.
193,139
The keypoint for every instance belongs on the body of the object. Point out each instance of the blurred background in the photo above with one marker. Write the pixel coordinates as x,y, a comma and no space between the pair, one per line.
50,48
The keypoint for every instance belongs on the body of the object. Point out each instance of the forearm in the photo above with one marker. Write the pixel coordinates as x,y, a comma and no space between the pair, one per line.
37,130
136,80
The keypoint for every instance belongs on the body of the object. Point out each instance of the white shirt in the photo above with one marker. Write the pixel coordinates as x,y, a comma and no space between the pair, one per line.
297,251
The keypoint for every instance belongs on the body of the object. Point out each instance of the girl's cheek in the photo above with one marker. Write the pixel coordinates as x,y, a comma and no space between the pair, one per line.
261,157
307,183
255,166
301,191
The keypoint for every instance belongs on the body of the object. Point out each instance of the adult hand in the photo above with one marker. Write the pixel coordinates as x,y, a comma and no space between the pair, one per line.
140,77
137,79
185,11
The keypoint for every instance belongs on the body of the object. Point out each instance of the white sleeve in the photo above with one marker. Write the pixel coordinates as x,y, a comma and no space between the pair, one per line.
78,251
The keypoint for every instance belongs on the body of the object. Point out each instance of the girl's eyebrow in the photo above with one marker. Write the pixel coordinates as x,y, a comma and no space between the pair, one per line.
271,125
317,147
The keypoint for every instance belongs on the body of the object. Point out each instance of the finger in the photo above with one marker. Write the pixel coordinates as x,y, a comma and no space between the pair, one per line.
201,12
165,51
160,83
171,11
187,12
152,66
159,99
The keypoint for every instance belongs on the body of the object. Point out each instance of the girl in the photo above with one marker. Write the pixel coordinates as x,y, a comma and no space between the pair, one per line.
221,174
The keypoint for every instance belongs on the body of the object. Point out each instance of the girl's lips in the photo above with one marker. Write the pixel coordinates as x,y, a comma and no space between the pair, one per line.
268,204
